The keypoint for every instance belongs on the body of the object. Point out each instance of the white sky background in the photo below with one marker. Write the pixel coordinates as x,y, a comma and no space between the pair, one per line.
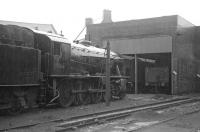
69,15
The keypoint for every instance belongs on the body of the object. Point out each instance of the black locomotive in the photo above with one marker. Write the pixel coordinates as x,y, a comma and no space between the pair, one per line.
38,68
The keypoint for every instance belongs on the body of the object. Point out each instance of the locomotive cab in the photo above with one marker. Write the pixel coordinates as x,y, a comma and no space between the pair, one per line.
56,52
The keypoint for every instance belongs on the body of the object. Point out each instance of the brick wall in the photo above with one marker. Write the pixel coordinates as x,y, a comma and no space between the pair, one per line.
185,44
196,48
134,28
184,60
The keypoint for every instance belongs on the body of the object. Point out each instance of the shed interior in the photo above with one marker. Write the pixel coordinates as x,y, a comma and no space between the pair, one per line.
153,73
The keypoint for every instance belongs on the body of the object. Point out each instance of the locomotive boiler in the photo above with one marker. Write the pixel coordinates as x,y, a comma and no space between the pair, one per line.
39,68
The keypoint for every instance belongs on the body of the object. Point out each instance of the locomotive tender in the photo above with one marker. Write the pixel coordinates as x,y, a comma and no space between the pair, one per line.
38,68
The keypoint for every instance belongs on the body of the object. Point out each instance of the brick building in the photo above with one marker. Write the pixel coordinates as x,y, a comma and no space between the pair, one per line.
172,41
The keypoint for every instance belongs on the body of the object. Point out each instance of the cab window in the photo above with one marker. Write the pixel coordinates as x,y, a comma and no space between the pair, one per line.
56,48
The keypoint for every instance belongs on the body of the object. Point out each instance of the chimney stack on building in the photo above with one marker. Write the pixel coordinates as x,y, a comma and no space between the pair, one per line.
88,21
107,18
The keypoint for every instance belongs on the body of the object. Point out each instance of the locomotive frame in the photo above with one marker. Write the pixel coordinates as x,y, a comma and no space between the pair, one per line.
63,72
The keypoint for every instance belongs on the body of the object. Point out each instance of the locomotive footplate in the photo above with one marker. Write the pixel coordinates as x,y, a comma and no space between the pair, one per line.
79,91
86,76
97,90
89,90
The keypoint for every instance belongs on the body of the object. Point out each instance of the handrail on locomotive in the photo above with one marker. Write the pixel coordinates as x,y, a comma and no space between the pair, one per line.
38,68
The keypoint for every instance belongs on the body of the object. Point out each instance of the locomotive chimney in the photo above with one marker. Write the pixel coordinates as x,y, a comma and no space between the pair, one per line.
107,18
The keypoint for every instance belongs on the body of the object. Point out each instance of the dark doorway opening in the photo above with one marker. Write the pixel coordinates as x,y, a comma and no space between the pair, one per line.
153,73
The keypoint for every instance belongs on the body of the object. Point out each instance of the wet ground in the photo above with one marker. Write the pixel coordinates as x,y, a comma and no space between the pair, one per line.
183,118
188,123
53,114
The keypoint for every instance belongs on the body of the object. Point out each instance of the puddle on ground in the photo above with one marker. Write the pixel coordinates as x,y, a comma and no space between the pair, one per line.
118,127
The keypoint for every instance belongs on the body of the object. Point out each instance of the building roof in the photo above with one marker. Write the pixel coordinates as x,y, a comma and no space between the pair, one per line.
145,20
42,27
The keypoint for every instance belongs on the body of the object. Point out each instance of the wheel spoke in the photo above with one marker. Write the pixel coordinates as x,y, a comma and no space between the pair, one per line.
97,97
84,97
16,107
66,97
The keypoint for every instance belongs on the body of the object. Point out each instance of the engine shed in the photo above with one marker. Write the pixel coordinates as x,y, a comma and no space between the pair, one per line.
165,51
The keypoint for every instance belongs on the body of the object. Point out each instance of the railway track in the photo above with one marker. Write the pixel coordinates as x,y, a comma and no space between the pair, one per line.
100,117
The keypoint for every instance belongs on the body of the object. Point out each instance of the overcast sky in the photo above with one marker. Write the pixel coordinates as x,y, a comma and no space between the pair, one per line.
69,15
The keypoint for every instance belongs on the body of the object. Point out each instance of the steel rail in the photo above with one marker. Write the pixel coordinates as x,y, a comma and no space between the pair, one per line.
120,109
96,118
182,100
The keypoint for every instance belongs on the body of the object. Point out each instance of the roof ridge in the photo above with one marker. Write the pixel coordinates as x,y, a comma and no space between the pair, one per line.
25,22
135,20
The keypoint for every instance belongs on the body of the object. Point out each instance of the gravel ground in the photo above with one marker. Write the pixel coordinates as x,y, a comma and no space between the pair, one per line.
174,119
43,115
187,123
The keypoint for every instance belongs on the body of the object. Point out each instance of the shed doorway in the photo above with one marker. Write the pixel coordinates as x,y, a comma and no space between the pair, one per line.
153,74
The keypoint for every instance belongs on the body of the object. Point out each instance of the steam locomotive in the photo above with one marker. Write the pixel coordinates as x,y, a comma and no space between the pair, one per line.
38,69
